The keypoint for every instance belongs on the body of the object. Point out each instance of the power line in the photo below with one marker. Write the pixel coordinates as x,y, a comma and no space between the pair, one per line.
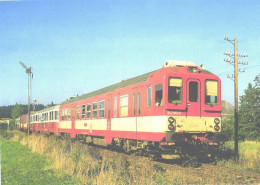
233,60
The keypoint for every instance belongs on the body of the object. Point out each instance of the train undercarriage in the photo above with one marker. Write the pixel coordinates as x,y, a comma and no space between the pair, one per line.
201,146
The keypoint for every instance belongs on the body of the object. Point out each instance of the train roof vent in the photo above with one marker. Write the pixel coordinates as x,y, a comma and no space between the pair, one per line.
177,63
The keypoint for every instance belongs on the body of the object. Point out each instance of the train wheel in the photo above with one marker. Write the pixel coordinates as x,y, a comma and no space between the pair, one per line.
126,147
155,156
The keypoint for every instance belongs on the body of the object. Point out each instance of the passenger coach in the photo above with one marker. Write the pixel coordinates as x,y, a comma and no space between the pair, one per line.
46,121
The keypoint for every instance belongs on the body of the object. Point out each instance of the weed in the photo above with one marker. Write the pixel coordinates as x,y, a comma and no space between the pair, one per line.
98,166
249,156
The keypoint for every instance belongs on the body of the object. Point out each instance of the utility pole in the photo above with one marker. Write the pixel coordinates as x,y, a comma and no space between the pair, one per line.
29,72
234,61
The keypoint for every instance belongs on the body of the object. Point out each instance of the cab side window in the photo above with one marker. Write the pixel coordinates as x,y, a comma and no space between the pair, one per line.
158,95
149,96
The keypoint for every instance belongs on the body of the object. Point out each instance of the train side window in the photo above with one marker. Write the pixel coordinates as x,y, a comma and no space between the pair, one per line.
78,112
66,115
62,114
149,96
69,114
139,103
101,109
83,112
159,95
211,92
115,106
56,115
134,103
124,106
94,110
175,90
88,111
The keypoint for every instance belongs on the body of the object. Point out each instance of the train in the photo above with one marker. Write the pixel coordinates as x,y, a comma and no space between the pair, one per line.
173,110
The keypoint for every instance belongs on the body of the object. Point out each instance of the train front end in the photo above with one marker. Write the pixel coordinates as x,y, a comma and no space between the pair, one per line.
193,108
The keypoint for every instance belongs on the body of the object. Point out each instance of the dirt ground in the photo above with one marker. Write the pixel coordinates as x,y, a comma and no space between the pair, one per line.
204,173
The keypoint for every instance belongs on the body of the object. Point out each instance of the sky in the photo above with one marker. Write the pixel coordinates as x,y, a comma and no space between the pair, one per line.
78,46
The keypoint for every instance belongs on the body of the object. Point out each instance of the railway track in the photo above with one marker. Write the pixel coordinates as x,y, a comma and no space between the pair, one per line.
182,166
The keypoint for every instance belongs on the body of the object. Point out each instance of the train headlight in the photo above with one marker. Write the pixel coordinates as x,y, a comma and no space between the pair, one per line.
217,128
170,126
216,121
171,120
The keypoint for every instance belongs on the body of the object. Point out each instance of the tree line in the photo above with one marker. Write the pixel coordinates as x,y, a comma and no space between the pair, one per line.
249,114
15,111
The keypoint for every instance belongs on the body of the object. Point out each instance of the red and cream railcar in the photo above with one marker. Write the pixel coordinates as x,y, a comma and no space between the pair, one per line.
46,121
17,123
178,103
23,122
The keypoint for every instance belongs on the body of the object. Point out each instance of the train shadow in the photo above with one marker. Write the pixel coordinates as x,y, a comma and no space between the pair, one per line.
182,161
223,154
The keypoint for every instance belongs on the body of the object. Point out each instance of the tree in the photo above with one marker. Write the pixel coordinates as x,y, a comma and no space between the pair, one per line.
18,111
249,112
228,126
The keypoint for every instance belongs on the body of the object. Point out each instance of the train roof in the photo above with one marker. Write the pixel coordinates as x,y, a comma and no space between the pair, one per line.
122,84
48,109
139,79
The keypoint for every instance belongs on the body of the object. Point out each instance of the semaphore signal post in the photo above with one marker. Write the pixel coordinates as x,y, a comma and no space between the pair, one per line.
30,75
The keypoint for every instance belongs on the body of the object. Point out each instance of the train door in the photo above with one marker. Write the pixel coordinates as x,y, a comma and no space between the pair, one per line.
136,108
73,121
108,136
109,98
193,97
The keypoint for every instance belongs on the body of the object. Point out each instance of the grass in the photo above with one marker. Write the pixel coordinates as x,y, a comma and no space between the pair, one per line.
249,156
21,166
95,165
